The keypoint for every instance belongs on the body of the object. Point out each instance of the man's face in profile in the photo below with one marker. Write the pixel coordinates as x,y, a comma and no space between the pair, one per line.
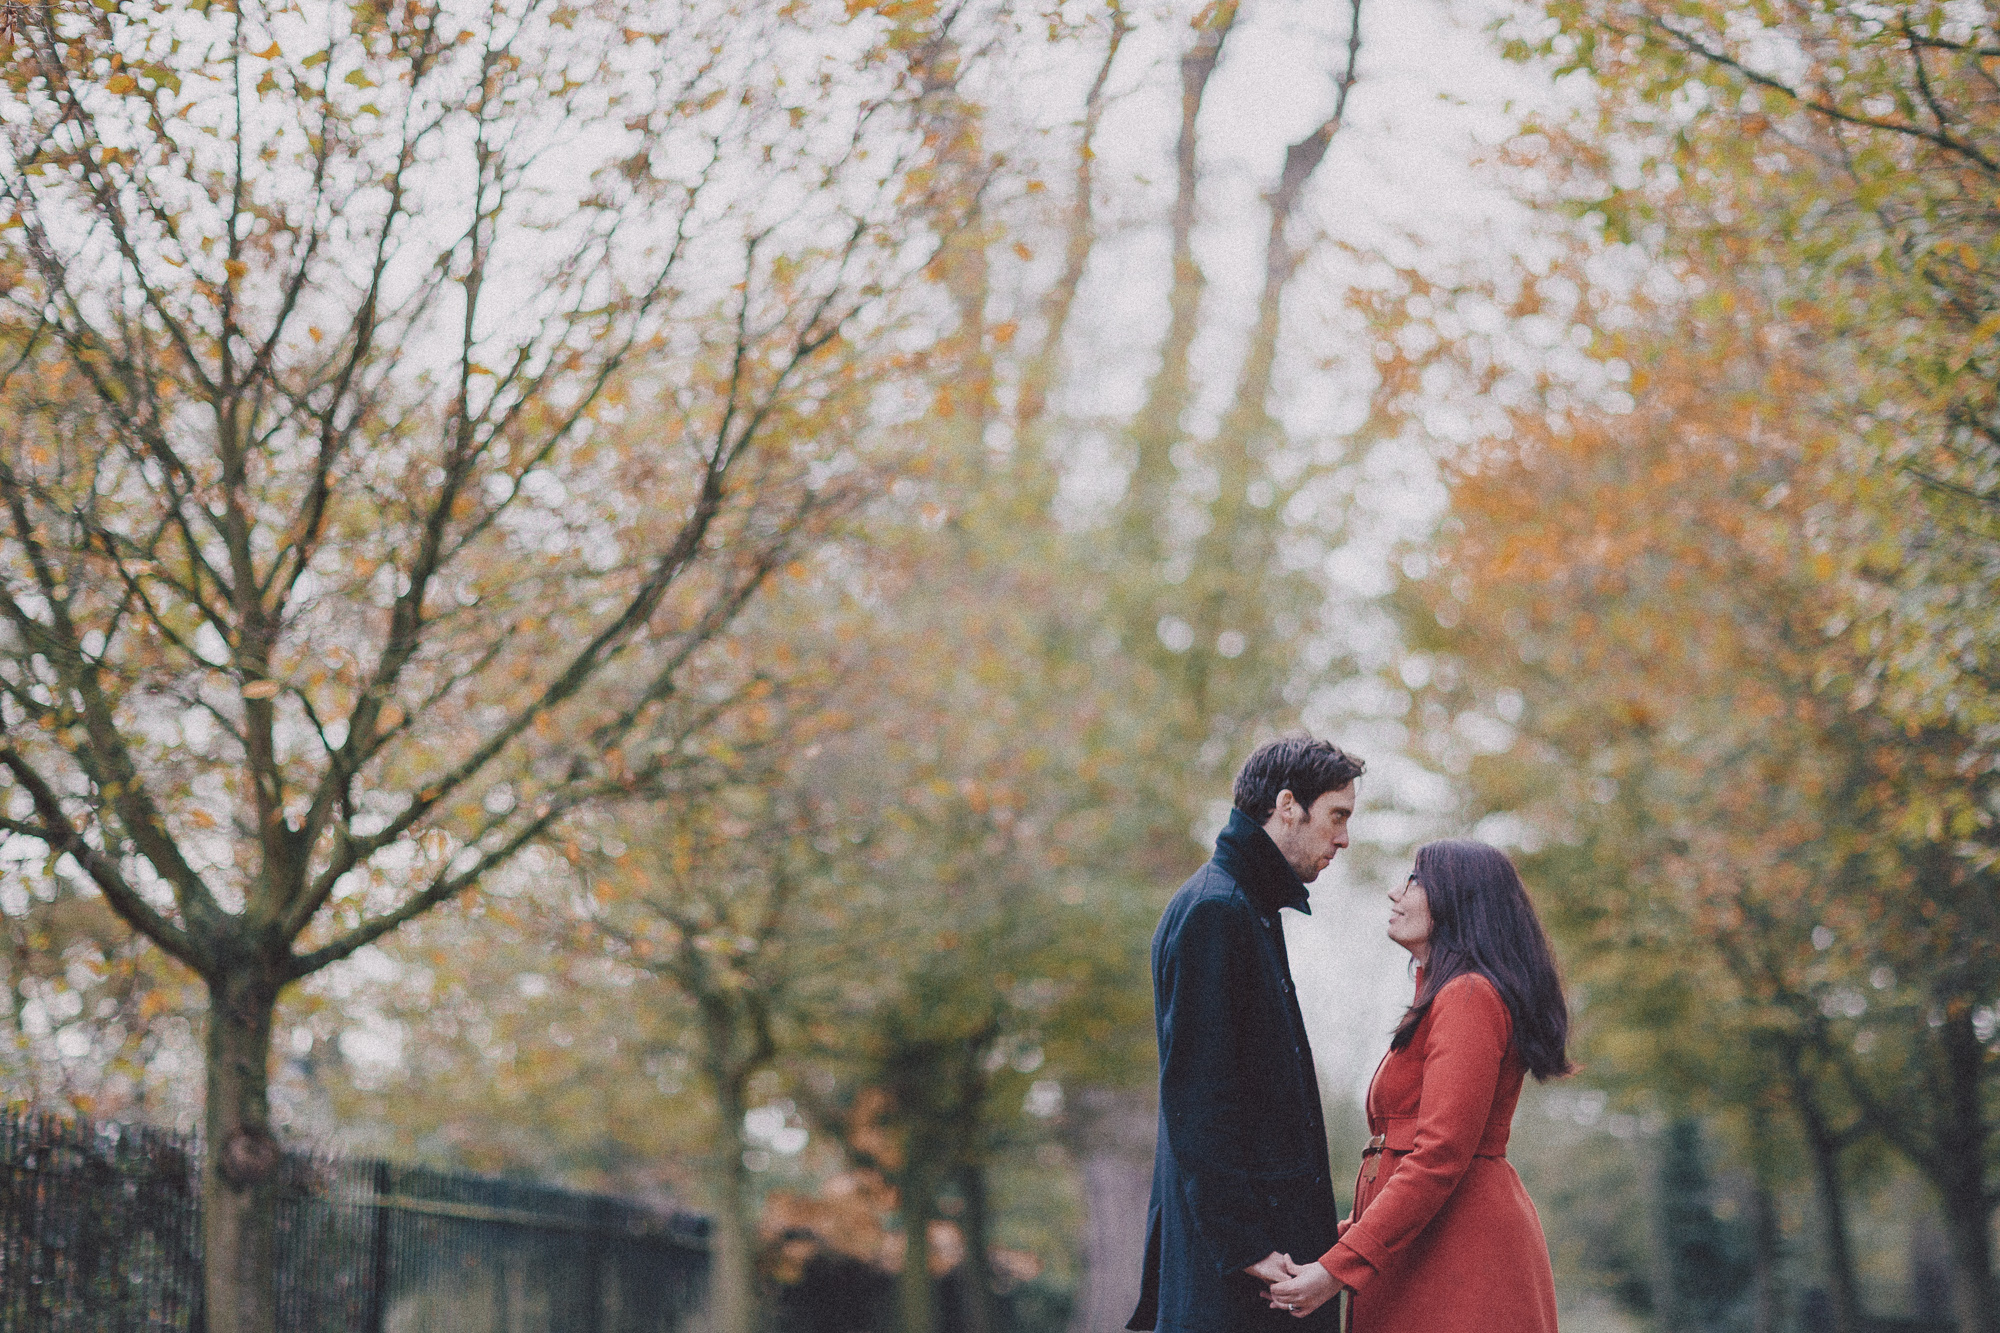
1309,839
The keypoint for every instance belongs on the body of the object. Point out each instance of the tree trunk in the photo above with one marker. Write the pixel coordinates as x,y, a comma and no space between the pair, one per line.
239,1169
916,1293
1158,426
1767,1313
1930,1279
1968,1207
732,1291
1830,1193
1969,1227
1112,1137
980,1312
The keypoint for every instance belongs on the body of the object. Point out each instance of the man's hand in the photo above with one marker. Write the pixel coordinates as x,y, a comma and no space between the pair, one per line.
1273,1267
1305,1291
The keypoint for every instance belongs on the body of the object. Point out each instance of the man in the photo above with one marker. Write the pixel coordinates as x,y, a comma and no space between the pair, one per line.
1240,1180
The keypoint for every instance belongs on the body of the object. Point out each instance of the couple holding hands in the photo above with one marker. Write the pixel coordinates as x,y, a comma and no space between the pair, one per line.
1242,1228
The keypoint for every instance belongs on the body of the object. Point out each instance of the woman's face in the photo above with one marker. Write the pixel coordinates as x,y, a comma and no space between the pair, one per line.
1410,918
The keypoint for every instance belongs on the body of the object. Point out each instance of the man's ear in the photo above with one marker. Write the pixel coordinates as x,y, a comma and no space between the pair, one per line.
1288,806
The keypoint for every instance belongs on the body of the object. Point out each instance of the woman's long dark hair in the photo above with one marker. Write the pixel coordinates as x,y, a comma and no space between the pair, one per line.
1482,921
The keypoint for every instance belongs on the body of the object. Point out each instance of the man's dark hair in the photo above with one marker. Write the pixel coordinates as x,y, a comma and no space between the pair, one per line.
1297,763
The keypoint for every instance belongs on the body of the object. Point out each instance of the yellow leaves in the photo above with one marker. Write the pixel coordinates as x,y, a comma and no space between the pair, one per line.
1214,14
235,268
261,689
316,59
201,818
270,52
898,10
359,79
120,83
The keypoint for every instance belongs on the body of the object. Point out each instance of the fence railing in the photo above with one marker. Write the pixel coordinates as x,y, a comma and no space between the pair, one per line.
100,1231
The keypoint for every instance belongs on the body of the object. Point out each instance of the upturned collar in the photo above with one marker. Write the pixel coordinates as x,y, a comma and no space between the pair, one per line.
1247,855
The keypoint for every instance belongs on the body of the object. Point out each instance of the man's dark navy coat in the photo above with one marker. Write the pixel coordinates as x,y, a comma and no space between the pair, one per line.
1241,1168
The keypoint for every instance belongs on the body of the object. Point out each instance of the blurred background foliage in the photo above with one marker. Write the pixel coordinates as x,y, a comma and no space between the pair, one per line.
1703,629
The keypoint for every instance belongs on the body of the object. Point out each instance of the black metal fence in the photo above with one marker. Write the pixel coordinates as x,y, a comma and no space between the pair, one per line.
100,1231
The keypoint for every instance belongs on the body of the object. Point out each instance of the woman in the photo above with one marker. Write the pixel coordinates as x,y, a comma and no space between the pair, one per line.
1442,1237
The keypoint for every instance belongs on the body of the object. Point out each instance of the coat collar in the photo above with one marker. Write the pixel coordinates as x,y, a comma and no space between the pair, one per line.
1247,855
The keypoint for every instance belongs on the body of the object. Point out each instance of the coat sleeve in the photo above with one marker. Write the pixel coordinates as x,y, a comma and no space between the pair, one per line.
1463,1056
1204,974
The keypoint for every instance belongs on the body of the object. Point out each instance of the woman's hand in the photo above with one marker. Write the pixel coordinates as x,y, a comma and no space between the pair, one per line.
1305,1292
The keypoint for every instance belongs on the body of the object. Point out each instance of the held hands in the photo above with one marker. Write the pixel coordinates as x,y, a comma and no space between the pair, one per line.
1273,1267
1308,1288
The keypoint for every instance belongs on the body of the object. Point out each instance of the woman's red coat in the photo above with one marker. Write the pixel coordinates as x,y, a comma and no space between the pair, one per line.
1445,1238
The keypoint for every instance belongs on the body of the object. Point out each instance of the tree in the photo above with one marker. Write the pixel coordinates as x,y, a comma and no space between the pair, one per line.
1034,718
393,408
727,899
1848,156
1647,622
1853,151
1209,560
717,887
1704,1261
